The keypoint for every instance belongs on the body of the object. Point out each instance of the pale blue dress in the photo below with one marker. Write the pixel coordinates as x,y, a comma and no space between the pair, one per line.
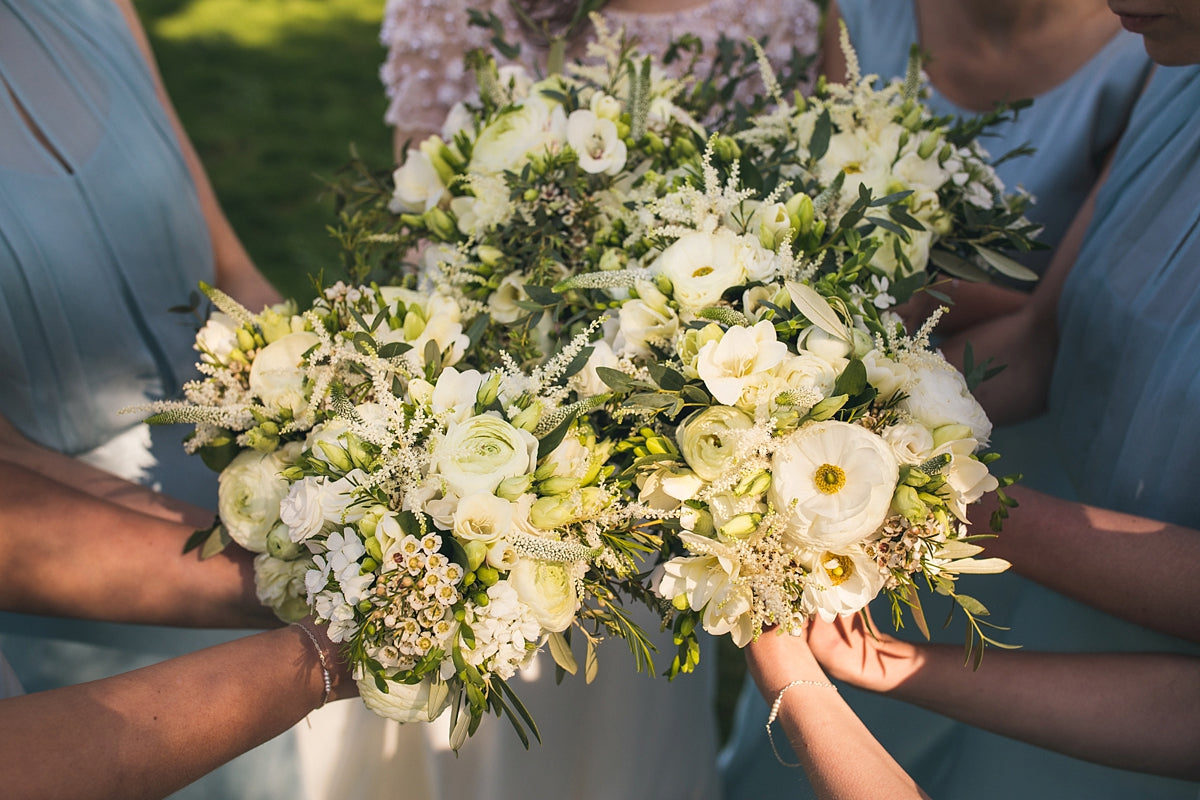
948,759
101,232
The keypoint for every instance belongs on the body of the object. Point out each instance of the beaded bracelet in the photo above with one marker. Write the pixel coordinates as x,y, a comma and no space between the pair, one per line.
312,637
775,712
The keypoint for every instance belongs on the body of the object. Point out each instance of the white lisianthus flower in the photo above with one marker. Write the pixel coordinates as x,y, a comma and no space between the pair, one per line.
596,142
644,321
887,375
421,702
708,440
536,125
743,358
217,339
276,376
249,492
475,455
756,261
548,588
418,187
336,498
938,395
502,304
841,583
834,482
665,489
482,518
279,585
701,267
455,393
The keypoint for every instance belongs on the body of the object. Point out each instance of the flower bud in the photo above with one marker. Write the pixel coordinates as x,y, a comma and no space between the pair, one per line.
492,256
907,503
528,418
681,602
558,484
335,455
928,145
753,485
742,525
261,440
245,339
280,544
951,433
441,224
476,553
488,391
512,488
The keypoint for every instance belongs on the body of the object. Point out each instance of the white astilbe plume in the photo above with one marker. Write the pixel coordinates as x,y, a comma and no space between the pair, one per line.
690,210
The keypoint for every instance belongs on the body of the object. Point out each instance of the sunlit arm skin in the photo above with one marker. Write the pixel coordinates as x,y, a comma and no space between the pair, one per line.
148,733
1137,711
841,757
236,273
67,553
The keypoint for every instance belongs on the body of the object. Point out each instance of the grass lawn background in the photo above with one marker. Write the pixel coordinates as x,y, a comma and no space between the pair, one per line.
273,93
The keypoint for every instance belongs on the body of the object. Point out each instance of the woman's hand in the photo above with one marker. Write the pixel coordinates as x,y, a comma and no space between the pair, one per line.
852,649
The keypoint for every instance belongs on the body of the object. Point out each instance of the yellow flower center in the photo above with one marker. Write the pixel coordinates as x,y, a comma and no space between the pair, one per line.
700,272
838,568
829,478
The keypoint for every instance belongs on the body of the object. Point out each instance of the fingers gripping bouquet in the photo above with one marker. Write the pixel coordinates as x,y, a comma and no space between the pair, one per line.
446,524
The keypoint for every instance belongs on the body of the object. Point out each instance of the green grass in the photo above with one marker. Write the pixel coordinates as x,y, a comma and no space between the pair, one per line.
272,93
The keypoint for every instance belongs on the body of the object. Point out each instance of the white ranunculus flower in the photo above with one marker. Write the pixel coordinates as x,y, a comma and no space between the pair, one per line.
743,358
249,491
483,518
644,321
502,304
842,583
708,440
276,376
596,142
218,338
418,187
701,267
536,125
476,454
834,482
279,585
421,702
938,395
548,588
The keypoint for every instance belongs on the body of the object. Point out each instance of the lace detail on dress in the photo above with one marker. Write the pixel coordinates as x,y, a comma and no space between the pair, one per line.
427,39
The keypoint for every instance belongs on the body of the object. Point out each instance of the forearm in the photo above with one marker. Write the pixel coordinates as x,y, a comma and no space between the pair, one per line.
842,759
66,553
1134,568
1129,710
147,733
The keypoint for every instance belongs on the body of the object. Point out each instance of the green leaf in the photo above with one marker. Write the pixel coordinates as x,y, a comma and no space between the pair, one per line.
591,664
520,708
554,438
218,454
853,379
1005,265
217,541
394,349
959,267
543,295
822,133
668,379
615,379
560,649
971,605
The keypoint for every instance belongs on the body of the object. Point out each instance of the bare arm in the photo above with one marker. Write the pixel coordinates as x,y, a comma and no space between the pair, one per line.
147,733
1134,711
841,757
236,273
66,553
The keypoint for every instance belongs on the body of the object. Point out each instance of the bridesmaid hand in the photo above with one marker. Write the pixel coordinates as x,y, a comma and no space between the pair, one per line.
853,650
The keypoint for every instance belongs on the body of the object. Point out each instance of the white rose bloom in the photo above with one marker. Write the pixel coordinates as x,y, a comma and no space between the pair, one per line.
217,339
502,304
301,510
841,583
743,358
834,482
644,321
421,702
536,125
596,142
482,517
548,589
475,455
938,395
586,382
418,187
708,440
885,374
276,376
249,492
701,267
911,444
279,585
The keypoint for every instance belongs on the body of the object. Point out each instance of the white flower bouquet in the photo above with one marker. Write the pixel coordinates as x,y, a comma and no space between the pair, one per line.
446,524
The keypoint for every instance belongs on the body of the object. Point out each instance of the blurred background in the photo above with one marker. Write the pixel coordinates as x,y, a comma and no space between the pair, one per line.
273,94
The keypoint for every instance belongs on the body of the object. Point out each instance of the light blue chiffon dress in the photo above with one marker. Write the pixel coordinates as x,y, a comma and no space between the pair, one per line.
949,759
101,232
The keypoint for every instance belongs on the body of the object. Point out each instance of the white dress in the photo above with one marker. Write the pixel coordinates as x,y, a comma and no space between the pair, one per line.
627,735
